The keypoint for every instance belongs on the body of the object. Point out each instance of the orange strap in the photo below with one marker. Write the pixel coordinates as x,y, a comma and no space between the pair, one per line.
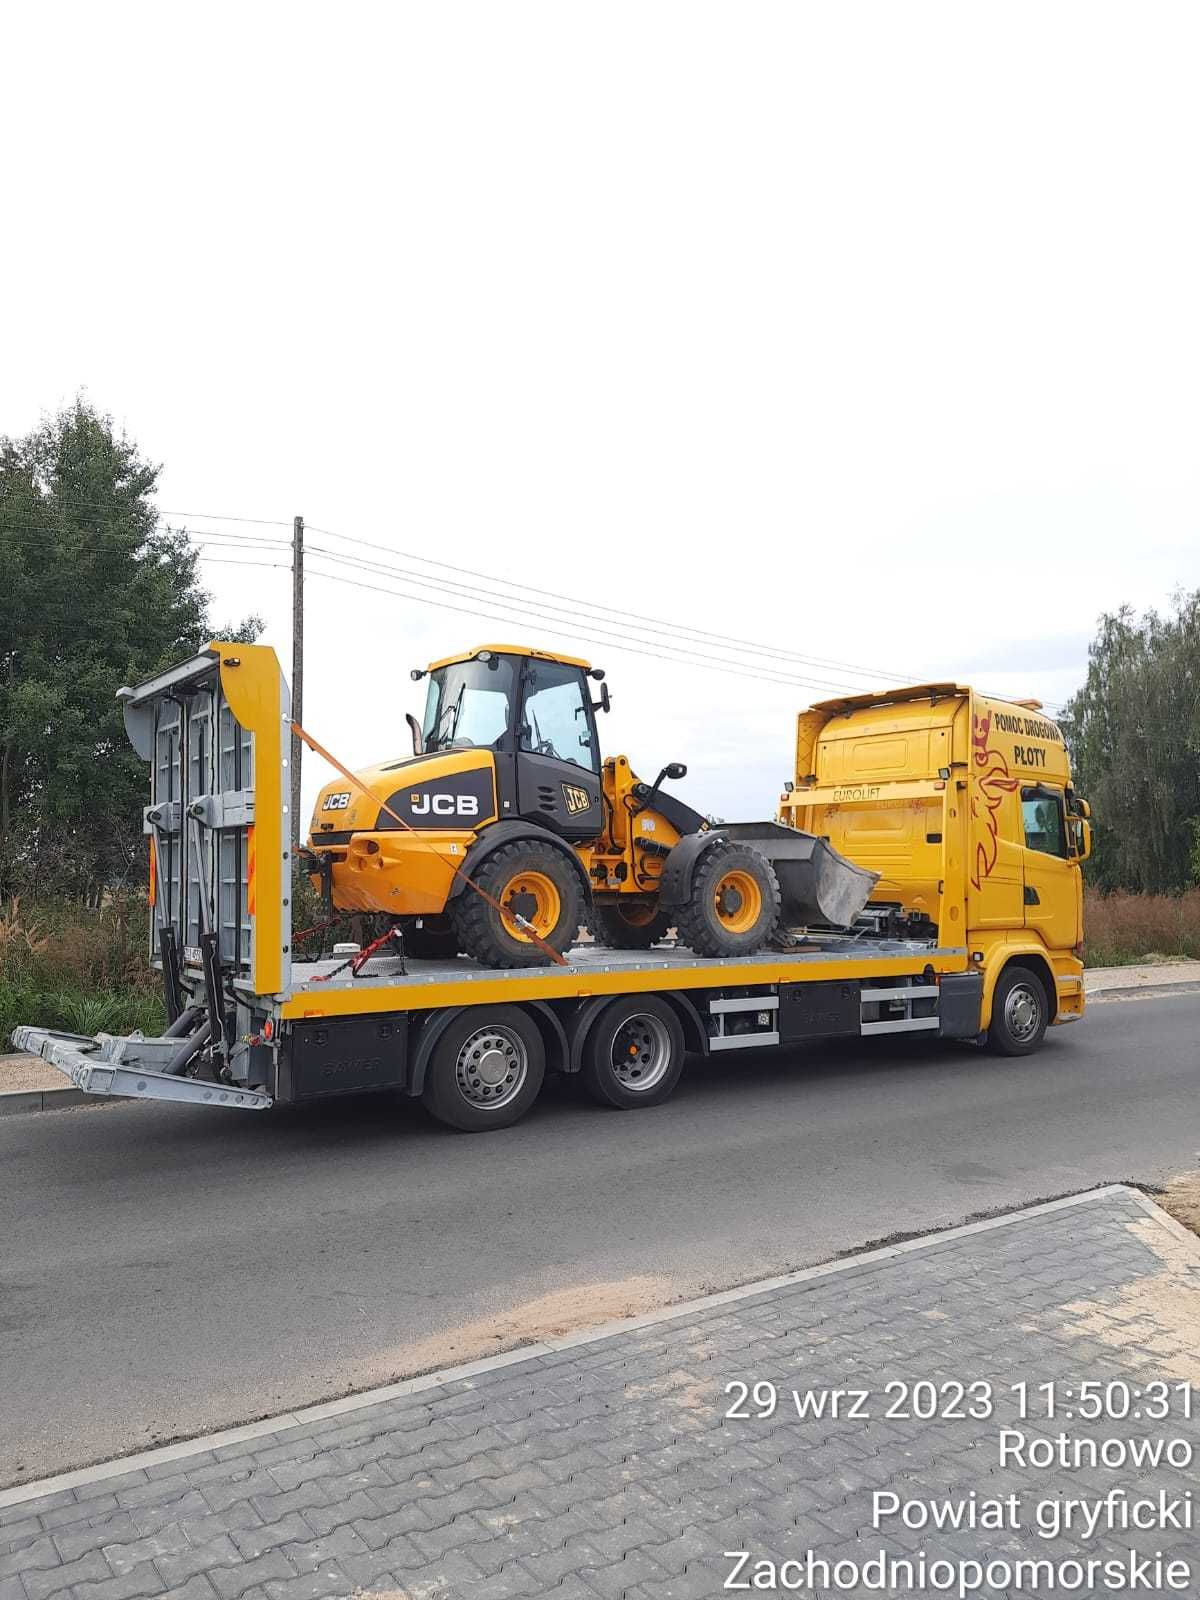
514,916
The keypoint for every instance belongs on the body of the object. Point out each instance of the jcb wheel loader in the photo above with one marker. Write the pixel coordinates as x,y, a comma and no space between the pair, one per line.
506,788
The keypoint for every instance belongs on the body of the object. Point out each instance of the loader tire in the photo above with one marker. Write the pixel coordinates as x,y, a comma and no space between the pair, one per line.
528,876
734,905
629,924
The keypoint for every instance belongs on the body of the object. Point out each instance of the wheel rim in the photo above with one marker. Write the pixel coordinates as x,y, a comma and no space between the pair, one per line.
737,900
534,896
1022,1012
637,915
641,1052
492,1067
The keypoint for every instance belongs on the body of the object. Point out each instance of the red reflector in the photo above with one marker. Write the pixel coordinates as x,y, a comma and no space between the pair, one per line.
268,1031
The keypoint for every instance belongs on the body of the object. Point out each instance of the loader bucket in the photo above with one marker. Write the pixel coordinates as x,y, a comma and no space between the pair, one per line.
818,885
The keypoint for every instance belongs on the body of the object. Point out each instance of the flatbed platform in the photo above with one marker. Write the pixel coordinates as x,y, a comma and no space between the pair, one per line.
388,983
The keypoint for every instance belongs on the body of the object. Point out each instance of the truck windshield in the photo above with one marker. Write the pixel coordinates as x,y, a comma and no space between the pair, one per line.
468,704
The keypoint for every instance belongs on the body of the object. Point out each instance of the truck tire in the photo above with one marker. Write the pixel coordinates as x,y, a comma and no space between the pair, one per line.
628,923
734,905
1020,1012
633,1053
529,876
486,1069
434,940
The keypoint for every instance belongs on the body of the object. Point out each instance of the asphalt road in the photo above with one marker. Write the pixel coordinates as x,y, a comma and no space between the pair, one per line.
165,1270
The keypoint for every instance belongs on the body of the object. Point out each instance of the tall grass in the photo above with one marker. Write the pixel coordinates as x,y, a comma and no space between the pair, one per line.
62,966
1120,928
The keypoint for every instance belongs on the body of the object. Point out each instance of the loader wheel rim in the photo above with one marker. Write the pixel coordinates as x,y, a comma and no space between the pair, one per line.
738,901
492,1067
641,1052
534,896
637,916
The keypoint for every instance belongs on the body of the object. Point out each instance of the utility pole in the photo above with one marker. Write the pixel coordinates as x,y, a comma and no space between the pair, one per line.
297,671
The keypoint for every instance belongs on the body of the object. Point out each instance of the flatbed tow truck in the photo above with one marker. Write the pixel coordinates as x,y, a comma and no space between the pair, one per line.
961,803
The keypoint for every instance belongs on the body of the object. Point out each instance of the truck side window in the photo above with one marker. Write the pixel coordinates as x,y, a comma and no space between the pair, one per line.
1042,814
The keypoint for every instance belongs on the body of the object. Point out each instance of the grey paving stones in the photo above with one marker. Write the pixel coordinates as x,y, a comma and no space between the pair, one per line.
610,1468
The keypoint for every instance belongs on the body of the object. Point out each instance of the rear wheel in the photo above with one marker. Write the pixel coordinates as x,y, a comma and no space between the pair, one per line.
628,923
633,1054
734,905
1020,1012
528,879
486,1069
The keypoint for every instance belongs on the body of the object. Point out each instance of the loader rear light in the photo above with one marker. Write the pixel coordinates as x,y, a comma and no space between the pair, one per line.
268,1030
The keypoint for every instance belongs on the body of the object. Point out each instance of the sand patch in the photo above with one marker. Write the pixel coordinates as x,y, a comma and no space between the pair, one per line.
1181,1198
549,1316
21,1073
1158,1312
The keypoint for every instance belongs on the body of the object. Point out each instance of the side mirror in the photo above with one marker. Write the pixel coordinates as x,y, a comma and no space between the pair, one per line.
675,770
605,701
414,727
1082,830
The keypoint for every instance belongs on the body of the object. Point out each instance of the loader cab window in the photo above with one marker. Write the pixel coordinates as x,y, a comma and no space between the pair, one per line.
468,705
1042,814
556,718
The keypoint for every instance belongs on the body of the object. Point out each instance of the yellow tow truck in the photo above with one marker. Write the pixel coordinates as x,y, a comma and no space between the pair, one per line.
958,808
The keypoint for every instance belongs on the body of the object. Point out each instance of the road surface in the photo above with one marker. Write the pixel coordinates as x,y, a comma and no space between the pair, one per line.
165,1270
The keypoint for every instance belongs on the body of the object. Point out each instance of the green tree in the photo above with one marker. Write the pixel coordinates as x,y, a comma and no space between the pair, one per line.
94,593
1134,736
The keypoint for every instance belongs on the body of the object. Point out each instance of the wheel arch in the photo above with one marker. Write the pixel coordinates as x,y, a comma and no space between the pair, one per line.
1005,957
510,831
675,885
554,1035
432,1028
695,1034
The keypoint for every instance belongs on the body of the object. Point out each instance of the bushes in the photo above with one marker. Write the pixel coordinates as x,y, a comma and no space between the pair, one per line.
1122,928
62,966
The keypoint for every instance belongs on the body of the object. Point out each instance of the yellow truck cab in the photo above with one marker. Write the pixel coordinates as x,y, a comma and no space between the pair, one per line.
964,806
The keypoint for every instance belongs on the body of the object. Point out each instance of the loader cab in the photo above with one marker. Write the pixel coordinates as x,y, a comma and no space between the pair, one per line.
534,712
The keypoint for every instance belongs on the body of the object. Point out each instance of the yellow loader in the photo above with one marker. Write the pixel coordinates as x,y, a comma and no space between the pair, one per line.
505,831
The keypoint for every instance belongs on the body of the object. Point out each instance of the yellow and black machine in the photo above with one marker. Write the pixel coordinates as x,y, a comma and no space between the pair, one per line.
506,830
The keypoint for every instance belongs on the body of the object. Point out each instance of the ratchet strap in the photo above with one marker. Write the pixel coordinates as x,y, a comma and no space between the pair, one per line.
513,916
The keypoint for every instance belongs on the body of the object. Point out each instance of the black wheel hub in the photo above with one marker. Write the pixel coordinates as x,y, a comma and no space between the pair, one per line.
729,902
522,905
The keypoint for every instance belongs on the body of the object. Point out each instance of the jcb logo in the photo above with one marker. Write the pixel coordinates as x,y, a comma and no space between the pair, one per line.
336,802
576,799
445,805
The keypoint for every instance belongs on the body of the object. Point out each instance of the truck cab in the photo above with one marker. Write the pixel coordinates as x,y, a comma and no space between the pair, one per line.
963,804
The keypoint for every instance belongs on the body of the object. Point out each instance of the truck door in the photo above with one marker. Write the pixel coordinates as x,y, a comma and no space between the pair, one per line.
1051,874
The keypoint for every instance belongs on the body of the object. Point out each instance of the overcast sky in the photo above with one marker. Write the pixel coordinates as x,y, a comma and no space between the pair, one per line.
865,333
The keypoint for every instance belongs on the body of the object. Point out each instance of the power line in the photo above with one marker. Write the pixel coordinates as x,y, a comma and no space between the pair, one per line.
622,612
541,612
567,633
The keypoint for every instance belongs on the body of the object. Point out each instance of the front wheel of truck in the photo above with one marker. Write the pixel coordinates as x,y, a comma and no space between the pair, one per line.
486,1069
1020,1012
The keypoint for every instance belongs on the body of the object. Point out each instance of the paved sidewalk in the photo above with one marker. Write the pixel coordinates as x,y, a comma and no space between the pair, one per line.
606,1467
